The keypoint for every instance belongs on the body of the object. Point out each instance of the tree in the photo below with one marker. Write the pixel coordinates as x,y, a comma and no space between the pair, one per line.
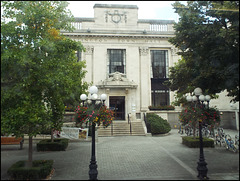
207,36
39,69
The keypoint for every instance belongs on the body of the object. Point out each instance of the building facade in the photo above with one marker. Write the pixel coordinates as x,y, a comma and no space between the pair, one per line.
129,58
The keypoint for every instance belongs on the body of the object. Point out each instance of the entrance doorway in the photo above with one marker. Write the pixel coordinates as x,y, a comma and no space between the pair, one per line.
117,104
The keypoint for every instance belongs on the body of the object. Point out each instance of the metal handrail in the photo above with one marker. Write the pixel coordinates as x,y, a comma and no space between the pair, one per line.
112,128
146,123
129,122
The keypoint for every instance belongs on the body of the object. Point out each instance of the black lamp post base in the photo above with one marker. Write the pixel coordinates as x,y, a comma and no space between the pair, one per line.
93,163
93,171
202,170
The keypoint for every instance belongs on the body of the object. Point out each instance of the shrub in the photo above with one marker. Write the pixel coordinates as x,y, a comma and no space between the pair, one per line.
157,124
59,144
39,170
152,115
194,143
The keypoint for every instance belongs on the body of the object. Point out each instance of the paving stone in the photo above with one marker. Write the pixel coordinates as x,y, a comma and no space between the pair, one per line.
132,158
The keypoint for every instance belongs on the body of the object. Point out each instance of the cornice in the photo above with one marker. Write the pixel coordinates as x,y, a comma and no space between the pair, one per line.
156,21
118,35
115,6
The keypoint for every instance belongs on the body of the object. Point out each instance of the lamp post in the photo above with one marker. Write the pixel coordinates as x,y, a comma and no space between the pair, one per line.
92,101
202,165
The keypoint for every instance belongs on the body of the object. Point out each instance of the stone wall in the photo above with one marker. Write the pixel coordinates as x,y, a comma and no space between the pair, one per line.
228,119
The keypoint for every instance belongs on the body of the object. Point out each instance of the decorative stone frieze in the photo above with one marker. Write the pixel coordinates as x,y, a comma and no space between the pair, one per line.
174,50
120,39
89,50
143,51
115,16
117,80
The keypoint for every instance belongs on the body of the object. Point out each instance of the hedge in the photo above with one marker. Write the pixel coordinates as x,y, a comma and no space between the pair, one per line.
59,144
195,143
40,170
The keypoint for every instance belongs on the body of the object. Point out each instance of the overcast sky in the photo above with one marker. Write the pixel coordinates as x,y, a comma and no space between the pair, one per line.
146,9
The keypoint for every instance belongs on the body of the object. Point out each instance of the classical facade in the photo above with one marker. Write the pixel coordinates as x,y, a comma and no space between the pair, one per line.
128,59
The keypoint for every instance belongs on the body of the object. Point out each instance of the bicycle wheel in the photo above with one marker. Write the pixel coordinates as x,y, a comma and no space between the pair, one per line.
197,132
234,149
237,142
207,133
190,132
228,140
217,141
222,142
186,131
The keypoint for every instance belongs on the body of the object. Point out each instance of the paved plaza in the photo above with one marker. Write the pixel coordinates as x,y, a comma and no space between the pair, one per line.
132,158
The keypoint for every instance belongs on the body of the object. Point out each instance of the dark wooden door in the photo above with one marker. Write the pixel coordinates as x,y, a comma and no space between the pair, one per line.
117,104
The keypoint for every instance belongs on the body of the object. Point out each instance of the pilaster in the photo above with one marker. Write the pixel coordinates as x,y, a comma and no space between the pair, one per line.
144,78
90,62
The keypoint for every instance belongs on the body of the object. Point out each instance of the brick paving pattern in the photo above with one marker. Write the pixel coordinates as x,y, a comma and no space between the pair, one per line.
132,158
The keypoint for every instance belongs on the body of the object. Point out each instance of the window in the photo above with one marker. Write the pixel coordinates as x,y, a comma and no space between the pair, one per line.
78,55
160,97
117,60
159,63
160,93
159,74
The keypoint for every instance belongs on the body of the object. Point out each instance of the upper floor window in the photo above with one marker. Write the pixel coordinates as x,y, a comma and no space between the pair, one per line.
117,60
78,55
159,63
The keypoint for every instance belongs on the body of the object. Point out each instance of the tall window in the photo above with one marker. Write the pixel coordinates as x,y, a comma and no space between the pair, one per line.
117,60
159,73
159,59
78,55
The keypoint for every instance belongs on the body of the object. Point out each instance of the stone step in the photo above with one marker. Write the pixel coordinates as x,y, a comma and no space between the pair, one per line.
122,129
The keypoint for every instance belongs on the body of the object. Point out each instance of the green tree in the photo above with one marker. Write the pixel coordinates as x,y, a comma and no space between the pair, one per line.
39,69
207,36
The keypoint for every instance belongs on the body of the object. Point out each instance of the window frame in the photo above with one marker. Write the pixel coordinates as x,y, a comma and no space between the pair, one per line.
159,89
160,93
164,65
110,53
78,55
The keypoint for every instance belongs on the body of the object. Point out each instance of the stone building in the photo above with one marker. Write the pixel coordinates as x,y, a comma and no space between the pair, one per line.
129,58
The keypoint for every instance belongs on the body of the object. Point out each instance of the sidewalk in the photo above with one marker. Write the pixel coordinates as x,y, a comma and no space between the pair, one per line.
132,158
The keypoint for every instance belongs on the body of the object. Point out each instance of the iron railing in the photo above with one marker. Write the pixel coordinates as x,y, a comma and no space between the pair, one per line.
129,122
112,128
147,123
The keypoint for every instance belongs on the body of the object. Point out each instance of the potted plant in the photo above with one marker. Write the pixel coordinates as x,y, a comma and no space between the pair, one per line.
193,115
102,116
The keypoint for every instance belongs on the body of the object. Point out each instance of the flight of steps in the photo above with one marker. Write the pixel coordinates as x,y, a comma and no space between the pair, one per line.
122,128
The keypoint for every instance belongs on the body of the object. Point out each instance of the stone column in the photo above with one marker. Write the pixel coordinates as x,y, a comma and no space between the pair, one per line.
144,77
90,63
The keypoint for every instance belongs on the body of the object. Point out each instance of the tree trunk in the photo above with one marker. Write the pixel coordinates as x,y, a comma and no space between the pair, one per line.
30,151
